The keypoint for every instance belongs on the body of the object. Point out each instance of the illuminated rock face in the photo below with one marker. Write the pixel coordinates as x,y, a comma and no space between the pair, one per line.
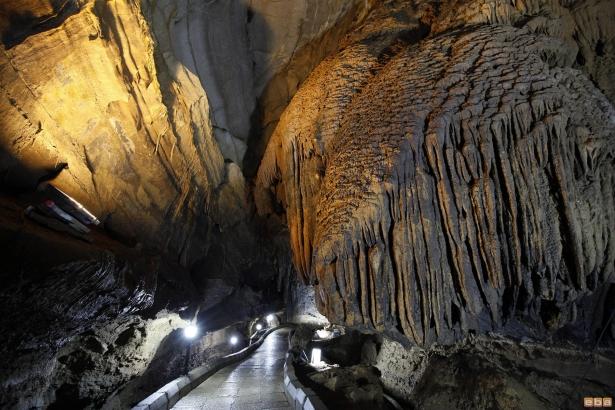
147,169
460,184
145,101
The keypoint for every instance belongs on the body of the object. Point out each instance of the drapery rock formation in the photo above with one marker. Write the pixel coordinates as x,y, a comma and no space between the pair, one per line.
461,183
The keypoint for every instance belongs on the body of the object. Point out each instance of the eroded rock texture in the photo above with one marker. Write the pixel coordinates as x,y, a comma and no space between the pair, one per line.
462,183
131,159
159,95
242,50
495,372
583,27
149,104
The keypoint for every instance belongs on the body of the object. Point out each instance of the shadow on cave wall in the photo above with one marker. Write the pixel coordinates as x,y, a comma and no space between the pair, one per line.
20,176
20,19
170,27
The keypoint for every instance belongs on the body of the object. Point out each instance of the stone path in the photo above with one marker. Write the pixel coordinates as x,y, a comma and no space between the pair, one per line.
253,384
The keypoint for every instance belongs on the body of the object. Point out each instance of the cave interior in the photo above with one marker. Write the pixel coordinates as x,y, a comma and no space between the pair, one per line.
428,183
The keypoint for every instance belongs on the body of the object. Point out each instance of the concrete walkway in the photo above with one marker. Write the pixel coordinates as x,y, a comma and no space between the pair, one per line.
253,384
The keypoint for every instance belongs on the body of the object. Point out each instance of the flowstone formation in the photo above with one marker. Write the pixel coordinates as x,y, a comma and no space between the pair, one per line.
456,182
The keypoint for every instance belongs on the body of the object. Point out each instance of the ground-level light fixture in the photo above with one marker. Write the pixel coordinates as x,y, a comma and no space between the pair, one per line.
316,356
259,326
191,331
234,340
323,333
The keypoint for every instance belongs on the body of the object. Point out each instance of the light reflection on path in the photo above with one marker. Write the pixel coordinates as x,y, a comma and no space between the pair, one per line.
255,383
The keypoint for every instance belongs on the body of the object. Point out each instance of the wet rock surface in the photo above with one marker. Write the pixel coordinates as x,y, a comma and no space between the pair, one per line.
255,382
346,376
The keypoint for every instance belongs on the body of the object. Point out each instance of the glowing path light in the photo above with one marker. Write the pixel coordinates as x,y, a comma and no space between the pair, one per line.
323,334
316,356
259,326
234,340
191,331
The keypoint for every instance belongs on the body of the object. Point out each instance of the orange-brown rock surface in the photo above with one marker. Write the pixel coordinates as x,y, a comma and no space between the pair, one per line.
459,182
123,91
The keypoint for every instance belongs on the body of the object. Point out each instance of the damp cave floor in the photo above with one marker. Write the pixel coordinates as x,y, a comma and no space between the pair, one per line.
254,383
